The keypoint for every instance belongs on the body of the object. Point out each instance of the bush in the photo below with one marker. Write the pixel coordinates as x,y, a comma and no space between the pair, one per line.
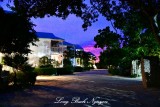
133,75
120,71
22,79
65,70
88,68
113,71
30,77
78,69
46,66
25,78
125,72
46,71
4,80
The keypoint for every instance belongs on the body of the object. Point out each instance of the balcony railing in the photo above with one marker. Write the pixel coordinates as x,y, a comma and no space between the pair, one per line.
57,49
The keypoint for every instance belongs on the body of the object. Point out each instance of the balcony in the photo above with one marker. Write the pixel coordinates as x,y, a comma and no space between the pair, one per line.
56,50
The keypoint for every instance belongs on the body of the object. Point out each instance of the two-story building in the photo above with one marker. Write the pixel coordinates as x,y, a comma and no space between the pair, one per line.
53,47
77,51
49,46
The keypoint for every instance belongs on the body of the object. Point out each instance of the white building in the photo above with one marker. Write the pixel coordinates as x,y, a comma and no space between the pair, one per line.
53,47
49,46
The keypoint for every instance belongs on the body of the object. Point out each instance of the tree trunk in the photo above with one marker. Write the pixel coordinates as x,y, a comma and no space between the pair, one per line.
15,77
144,79
155,30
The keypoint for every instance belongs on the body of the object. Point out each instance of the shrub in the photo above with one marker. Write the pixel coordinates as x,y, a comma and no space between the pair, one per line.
78,69
46,66
65,70
113,71
120,71
133,75
44,61
22,79
45,71
88,68
69,69
30,77
25,78
4,80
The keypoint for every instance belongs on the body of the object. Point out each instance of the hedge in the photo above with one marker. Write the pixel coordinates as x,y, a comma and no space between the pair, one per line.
78,69
46,71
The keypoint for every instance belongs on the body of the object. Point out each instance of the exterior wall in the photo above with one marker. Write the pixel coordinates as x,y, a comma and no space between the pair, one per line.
136,67
55,53
44,48
77,62
1,56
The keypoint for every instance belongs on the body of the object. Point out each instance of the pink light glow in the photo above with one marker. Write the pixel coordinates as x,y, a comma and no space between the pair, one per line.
90,48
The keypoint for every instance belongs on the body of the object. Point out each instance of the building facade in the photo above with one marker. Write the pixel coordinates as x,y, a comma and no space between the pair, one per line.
53,48
48,46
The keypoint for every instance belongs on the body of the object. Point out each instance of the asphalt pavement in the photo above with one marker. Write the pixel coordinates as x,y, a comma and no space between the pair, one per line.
94,88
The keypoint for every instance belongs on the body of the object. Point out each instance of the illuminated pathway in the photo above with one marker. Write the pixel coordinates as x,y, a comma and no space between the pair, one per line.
86,89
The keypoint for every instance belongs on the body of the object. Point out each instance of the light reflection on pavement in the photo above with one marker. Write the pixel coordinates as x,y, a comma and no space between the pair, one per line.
84,89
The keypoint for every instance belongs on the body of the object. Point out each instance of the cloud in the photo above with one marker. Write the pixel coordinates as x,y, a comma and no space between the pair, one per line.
89,47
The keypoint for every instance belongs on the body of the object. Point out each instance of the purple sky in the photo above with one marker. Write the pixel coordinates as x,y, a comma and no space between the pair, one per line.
70,29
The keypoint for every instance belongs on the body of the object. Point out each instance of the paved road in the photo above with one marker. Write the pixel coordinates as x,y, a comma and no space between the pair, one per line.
86,89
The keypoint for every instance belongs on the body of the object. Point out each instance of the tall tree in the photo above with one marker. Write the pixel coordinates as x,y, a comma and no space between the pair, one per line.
136,20
58,8
16,33
149,11
119,13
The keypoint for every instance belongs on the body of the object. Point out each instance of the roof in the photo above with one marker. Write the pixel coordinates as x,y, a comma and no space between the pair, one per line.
78,47
8,12
67,43
52,36
75,45
47,35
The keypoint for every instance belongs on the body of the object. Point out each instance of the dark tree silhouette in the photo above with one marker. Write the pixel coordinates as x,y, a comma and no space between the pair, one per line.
138,23
58,8
16,36
121,12
16,33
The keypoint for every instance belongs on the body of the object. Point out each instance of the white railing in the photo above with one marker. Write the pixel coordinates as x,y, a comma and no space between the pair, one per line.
57,49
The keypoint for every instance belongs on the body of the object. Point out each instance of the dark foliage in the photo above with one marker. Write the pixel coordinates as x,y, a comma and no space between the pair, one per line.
78,69
16,33
65,71
46,71
153,78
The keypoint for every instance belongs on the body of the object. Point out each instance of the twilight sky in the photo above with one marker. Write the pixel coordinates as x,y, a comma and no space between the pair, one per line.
70,29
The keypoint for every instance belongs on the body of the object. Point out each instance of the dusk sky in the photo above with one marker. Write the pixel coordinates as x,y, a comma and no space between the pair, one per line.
70,29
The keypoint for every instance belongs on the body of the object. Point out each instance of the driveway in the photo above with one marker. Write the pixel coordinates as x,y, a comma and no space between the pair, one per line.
95,88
